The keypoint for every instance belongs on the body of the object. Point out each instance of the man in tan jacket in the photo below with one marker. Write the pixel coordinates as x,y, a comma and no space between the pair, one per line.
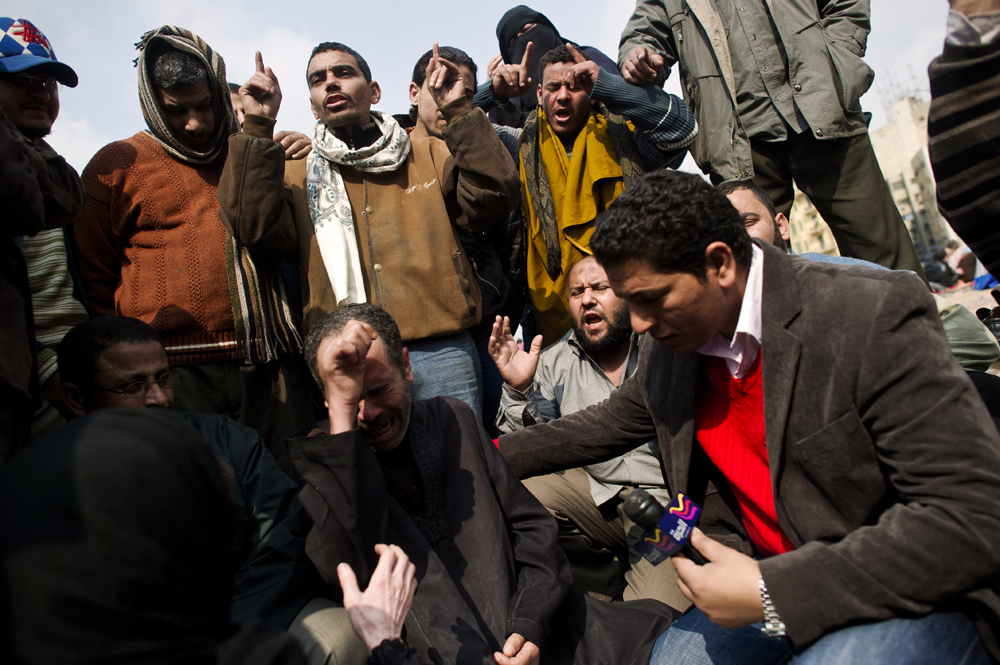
374,214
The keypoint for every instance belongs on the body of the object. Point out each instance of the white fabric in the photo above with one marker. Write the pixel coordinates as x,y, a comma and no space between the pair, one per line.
740,351
329,206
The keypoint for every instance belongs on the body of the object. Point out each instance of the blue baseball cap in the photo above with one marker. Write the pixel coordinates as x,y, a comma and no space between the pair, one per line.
23,46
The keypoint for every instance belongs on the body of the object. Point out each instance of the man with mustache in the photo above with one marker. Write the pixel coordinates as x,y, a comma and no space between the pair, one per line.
150,245
582,369
40,191
589,137
372,214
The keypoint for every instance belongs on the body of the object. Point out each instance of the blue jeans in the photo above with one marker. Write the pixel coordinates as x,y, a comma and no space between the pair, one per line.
942,638
447,367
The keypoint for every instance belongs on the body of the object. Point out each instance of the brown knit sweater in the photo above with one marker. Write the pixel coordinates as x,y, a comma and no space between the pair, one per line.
150,245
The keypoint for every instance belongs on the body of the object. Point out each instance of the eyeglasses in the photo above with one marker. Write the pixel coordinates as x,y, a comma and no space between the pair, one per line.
138,389
32,80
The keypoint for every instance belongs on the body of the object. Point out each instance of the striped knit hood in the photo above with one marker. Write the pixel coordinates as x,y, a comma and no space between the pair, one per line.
226,122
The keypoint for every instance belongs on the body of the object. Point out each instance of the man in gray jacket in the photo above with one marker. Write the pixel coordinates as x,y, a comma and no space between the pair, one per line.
776,90
580,370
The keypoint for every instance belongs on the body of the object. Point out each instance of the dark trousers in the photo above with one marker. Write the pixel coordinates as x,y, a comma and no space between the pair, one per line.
272,398
843,180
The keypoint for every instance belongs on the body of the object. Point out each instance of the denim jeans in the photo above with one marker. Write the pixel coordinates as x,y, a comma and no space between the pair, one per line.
942,638
447,367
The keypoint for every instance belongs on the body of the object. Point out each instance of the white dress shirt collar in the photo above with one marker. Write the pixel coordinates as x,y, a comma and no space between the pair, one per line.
741,351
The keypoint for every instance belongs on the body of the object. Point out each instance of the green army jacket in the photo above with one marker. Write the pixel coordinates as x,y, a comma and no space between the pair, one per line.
824,40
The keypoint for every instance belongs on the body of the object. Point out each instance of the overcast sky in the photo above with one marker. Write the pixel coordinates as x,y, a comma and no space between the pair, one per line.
97,40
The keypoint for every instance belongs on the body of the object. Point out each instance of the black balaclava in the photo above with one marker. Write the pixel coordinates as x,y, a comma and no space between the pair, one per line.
545,38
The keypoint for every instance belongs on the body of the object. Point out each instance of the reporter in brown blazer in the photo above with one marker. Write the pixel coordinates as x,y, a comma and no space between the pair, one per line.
884,463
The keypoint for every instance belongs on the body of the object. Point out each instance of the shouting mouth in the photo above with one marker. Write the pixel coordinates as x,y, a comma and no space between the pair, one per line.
562,114
592,321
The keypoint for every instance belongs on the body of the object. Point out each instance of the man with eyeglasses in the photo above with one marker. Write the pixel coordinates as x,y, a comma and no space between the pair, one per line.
117,361
40,191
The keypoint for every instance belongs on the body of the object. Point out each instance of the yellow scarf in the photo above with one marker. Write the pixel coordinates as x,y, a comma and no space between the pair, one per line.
582,186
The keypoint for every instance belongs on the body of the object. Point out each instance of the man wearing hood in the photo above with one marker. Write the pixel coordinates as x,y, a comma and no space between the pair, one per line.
151,246
374,213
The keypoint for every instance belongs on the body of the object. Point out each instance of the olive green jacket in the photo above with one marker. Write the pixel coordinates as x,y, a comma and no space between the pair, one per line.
824,41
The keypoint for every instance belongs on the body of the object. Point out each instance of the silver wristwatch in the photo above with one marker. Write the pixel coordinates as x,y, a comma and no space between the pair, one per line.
773,625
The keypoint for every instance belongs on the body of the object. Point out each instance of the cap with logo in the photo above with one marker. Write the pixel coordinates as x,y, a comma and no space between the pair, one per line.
23,46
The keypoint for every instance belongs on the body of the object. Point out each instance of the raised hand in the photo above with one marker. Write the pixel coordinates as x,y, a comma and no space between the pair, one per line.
584,72
378,613
341,364
513,80
296,144
495,62
444,80
261,95
516,367
642,66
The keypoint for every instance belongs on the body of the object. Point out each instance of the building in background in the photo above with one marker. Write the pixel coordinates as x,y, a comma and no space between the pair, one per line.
901,148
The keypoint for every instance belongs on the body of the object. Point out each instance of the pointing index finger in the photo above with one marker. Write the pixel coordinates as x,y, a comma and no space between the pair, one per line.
577,56
526,60
260,62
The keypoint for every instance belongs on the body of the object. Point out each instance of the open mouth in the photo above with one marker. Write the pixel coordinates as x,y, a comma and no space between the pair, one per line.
335,101
562,115
376,429
592,321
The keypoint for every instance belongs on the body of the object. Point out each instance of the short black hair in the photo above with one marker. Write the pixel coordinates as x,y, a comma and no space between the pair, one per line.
555,55
83,345
343,48
334,322
730,186
455,56
177,69
234,88
668,219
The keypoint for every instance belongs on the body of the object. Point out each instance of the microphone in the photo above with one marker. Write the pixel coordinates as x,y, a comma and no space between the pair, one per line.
667,530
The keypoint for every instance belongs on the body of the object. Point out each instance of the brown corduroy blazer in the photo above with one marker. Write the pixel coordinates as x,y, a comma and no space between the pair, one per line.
884,461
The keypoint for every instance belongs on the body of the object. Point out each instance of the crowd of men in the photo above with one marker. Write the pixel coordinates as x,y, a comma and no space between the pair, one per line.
248,373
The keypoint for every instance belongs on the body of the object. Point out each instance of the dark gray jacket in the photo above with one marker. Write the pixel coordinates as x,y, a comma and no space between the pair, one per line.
486,552
884,461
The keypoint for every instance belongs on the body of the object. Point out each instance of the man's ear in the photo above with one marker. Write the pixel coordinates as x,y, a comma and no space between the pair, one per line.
74,399
414,94
407,367
538,93
783,226
719,258
376,92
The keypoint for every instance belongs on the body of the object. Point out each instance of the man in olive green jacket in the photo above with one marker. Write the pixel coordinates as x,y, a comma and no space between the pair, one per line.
776,89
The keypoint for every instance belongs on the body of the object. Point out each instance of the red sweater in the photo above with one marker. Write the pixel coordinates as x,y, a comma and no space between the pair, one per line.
729,426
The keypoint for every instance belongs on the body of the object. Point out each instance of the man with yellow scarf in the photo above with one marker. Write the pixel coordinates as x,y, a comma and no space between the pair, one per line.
590,136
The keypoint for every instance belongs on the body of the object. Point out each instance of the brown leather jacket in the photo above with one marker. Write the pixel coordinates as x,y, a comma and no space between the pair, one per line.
405,220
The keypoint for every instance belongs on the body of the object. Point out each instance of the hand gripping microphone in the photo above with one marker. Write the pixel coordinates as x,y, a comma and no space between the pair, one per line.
667,529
